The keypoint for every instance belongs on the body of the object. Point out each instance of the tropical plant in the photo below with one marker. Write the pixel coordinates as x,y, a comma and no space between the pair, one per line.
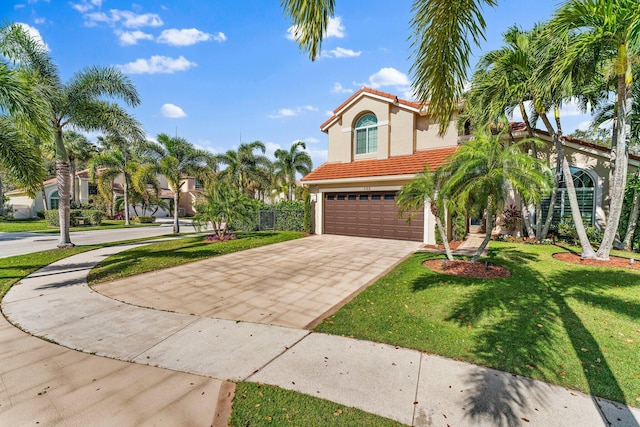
483,167
607,33
82,103
176,159
291,162
424,188
245,170
221,205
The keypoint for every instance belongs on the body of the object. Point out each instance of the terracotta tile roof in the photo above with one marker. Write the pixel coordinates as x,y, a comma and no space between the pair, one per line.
522,127
391,97
399,165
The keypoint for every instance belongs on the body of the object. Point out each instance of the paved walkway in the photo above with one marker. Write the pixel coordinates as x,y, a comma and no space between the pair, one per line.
405,385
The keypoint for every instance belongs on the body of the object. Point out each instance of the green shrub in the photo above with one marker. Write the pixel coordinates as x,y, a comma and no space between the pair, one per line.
52,217
143,219
93,216
308,212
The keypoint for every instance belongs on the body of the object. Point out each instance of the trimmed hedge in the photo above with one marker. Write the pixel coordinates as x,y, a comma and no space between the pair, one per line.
143,219
92,217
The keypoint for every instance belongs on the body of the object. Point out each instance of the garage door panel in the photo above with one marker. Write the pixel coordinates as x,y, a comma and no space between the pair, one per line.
369,214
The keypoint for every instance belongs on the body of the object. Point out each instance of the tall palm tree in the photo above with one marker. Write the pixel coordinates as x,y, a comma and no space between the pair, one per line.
79,149
176,159
291,162
607,32
483,167
244,168
82,103
440,42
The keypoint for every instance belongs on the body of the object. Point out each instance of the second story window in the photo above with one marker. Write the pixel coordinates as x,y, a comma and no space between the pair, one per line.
367,134
198,185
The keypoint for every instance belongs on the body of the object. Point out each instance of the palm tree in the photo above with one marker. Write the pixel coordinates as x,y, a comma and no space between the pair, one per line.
483,167
79,149
245,169
221,205
80,103
23,113
176,159
291,162
114,163
424,188
608,33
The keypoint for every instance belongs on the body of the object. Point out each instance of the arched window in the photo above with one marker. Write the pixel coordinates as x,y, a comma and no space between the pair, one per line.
54,200
585,192
367,134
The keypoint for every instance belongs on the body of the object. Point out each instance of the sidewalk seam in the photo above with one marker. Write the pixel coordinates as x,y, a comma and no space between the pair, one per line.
164,339
286,349
415,397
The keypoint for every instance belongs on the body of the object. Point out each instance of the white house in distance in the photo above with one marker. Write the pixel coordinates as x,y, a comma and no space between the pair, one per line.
378,143
24,206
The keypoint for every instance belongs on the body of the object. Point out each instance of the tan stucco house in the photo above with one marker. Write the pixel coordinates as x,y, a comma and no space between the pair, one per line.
377,143
25,206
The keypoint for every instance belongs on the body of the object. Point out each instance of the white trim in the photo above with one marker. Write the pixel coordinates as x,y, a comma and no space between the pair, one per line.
383,123
362,179
427,218
347,130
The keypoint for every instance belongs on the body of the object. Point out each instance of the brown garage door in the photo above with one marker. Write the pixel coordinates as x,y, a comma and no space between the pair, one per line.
369,214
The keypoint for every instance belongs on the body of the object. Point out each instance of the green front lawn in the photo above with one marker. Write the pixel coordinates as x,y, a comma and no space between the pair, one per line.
40,225
263,405
567,324
177,252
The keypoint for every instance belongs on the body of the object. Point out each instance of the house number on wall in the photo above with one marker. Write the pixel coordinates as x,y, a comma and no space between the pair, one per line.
366,188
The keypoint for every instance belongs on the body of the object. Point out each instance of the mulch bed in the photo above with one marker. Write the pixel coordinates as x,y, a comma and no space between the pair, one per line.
614,261
452,244
463,268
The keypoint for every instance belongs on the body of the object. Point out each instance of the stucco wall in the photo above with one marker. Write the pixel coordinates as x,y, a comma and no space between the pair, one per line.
427,134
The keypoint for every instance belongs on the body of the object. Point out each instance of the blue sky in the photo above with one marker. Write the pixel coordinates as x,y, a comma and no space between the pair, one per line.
218,72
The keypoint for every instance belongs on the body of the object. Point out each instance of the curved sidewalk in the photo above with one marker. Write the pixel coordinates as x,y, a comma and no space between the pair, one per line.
411,387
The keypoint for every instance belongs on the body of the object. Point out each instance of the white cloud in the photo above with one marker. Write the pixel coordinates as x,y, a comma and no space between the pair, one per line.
328,113
271,148
184,37
388,77
126,18
172,111
85,5
128,38
157,64
289,112
40,21
220,37
338,88
340,52
34,34
311,140
334,29
585,125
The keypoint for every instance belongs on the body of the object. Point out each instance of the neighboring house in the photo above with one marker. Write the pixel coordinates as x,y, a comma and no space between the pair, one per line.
25,206
378,143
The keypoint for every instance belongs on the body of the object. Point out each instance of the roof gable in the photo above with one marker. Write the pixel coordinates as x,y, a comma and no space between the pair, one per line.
413,106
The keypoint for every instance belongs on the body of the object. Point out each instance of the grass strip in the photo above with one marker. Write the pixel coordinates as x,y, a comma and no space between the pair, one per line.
40,226
261,404
567,324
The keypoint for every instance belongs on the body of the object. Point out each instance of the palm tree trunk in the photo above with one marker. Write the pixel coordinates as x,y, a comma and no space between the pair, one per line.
552,200
1,198
176,222
64,187
633,221
126,202
619,161
445,240
489,226
587,250
44,199
64,208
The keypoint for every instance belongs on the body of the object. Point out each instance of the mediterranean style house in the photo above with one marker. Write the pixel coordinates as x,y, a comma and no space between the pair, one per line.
25,206
377,143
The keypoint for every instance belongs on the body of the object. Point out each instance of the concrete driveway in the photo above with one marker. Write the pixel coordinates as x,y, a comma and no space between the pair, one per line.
295,283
